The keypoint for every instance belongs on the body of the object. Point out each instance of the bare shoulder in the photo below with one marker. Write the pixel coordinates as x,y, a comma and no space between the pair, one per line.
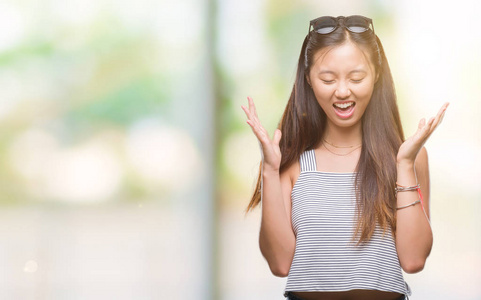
292,172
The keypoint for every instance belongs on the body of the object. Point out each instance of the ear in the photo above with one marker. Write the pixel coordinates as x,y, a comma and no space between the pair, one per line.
308,81
377,77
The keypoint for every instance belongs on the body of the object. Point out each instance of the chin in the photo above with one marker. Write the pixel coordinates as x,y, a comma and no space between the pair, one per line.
351,122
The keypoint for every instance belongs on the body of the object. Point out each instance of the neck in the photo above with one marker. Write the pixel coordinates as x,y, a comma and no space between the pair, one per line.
344,136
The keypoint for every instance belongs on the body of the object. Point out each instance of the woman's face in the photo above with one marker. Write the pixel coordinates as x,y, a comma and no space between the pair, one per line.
342,79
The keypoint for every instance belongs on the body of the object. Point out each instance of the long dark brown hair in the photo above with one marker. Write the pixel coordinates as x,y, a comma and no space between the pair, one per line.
303,124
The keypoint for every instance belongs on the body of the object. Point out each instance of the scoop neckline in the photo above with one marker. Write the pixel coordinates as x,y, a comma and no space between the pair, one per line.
326,172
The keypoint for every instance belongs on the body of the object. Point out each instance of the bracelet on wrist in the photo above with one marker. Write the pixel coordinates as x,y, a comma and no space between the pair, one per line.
414,203
402,188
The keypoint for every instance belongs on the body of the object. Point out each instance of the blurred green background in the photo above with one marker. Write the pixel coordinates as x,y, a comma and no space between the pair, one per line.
126,163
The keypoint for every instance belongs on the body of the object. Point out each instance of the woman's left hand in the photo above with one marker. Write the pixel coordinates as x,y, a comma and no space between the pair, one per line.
410,148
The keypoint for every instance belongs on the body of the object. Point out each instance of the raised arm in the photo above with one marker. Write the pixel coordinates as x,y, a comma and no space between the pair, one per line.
414,237
276,237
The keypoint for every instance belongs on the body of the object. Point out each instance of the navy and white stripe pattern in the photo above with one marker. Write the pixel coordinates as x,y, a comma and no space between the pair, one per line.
326,257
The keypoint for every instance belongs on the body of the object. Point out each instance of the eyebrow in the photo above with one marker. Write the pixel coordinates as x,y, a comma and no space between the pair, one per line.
331,72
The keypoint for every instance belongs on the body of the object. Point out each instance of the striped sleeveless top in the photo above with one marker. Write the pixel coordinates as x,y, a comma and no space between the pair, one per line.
326,258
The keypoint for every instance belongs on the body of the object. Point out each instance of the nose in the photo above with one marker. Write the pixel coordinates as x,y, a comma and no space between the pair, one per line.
342,91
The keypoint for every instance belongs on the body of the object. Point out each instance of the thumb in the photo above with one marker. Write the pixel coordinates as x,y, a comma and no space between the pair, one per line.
421,124
277,137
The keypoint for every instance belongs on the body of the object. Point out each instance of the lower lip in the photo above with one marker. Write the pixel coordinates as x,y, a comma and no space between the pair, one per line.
345,114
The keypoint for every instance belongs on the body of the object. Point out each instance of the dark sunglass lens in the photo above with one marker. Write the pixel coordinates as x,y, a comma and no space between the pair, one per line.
325,25
357,24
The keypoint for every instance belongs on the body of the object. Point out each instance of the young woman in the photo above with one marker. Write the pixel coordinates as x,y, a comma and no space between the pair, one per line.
345,197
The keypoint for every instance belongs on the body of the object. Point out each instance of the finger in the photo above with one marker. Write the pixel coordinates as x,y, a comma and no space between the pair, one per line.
252,106
252,112
441,112
246,111
277,137
421,124
429,125
434,121
439,117
256,127
444,111
436,124
442,117
250,116
423,128
260,132
254,120
438,120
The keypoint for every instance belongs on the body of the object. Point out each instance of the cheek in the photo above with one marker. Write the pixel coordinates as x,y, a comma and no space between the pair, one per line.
323,93
364,90
323,97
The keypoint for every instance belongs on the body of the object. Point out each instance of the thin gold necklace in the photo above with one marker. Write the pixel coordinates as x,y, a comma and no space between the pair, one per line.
342,154
340,146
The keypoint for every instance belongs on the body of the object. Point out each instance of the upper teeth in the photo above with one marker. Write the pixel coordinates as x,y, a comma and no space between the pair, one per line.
344,105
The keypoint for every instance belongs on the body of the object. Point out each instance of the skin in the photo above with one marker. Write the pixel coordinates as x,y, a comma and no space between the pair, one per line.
342,74
339,74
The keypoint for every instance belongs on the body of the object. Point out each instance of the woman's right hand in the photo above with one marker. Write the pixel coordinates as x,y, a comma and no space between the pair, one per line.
271,153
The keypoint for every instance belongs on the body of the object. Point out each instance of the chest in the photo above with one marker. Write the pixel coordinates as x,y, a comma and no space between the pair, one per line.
324,202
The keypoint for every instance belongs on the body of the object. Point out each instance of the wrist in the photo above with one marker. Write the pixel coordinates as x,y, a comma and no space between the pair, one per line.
405,164
406,173
269,171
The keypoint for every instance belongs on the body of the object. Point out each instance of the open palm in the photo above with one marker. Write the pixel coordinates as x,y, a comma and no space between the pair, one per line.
271,153
410,148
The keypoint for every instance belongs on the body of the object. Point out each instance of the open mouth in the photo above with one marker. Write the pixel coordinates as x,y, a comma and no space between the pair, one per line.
344,109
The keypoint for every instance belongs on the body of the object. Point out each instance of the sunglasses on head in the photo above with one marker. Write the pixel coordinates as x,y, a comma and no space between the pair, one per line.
355,24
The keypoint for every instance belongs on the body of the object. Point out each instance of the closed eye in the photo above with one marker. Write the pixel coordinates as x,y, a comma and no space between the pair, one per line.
328,81
356,81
